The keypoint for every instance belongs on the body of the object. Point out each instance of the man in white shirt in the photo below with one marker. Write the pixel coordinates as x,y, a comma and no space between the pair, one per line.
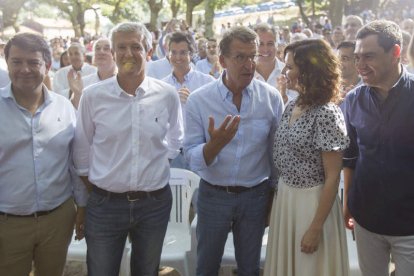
103,58
76,53
269,68
129,126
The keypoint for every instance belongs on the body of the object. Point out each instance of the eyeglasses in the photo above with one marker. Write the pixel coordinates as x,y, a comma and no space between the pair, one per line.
241,59
179,53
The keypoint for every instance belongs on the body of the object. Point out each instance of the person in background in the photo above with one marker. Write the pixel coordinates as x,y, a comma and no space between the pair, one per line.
185,79
37,180
128,127
229,128
211,64
160,68
64,59
337,36
103,59
349,72
306,231
268,67
201,50
76,53
378,165
352,24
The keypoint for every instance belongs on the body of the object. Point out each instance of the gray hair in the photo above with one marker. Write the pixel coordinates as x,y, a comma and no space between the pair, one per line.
129,27
265,28
79,46
99,40
240,33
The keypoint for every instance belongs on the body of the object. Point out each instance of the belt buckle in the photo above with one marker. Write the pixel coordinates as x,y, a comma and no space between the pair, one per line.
132,199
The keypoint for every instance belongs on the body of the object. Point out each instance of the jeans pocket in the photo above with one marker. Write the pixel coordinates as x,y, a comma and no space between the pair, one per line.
96,199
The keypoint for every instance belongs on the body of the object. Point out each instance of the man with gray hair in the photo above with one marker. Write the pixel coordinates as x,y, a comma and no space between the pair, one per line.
128,127
228,141
76,53
352,24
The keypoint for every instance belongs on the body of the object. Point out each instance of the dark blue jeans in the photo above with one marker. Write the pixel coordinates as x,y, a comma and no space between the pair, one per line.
220,212
108,223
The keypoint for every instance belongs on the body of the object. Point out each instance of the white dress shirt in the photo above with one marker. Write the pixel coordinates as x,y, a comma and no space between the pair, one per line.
123,142
90,79
272,80
60,80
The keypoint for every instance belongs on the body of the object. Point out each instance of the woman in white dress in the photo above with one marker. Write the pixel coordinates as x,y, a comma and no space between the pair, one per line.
307,233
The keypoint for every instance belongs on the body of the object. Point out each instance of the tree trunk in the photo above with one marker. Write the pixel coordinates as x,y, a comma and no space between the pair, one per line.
302,12
189,13
155,8
175,6
97,22
209,18
336,11
191,4
11,9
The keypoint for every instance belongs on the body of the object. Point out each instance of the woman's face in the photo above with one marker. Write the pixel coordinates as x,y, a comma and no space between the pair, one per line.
291,71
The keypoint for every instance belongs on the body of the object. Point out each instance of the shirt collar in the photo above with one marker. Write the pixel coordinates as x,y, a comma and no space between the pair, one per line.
226,93
187,77
143,87
7,93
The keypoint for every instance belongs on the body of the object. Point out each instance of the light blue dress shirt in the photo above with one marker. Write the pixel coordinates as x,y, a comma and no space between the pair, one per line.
193,80
205,67
247,159
36,172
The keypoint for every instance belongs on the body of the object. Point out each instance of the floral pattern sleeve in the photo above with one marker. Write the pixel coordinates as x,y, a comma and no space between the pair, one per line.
330,131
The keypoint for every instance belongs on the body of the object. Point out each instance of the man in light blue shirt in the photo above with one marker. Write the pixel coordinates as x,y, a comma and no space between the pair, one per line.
183,77
210,65
37,213
228,142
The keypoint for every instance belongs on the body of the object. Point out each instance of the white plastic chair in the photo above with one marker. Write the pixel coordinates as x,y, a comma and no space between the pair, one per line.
177,242
77,252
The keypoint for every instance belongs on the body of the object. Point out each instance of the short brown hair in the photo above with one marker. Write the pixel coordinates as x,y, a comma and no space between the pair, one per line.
319,71
32,43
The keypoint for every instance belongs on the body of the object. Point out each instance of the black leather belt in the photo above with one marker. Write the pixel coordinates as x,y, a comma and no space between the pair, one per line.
130,196
232,189
33,215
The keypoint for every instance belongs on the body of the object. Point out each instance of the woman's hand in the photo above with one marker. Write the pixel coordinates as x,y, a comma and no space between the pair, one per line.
310,240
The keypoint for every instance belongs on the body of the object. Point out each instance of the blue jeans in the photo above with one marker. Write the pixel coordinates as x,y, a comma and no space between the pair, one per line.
220,212
108,223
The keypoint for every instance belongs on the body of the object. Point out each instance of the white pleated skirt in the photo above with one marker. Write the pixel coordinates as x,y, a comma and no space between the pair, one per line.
292,212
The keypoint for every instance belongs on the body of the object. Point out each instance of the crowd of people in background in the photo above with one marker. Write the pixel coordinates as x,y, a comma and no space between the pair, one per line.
268,116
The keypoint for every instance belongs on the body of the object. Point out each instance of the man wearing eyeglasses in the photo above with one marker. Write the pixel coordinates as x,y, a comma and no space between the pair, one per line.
37,180
228,142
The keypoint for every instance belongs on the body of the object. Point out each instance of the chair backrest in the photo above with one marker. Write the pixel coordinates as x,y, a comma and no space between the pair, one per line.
183,183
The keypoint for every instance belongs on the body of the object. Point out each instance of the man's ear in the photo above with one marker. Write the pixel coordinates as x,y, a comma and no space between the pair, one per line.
222,61
397,51
149,54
